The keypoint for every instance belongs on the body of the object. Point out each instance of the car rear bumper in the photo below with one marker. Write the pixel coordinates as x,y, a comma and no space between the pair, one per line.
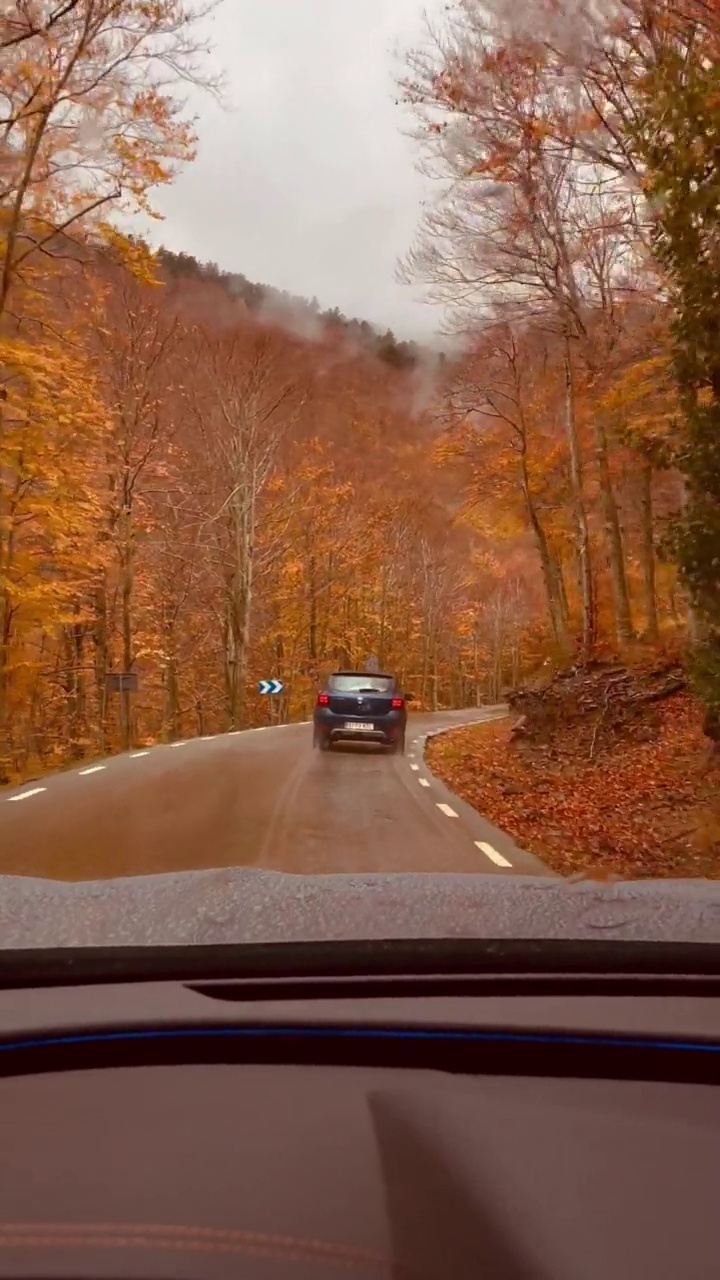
386,729
385,736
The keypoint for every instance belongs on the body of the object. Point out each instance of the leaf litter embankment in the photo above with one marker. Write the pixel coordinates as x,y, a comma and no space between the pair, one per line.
603,771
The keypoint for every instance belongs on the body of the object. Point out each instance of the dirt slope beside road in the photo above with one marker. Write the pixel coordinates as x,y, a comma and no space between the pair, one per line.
604,771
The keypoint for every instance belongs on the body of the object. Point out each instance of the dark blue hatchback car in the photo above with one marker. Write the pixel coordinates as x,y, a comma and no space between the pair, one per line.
360,706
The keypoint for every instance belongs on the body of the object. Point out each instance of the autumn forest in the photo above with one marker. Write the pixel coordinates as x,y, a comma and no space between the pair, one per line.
207,482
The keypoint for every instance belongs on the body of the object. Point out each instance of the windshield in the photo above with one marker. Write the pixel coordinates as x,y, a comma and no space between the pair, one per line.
344,356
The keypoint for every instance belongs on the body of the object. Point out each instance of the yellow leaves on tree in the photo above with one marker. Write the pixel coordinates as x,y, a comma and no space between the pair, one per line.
643,400
91,120
50,420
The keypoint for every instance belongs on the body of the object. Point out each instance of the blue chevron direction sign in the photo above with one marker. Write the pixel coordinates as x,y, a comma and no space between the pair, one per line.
270,686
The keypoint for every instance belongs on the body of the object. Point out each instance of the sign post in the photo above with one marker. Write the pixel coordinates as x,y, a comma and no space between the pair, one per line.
124,683
270,686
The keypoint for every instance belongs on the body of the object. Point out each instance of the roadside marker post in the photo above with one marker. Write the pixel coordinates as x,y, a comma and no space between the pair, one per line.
270,686
271,689
124,683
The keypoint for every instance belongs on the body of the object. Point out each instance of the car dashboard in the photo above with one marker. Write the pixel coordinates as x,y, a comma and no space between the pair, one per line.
433,1126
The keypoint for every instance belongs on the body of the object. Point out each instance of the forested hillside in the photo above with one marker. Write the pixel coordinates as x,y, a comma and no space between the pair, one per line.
206,482
574,243
206,495
564,411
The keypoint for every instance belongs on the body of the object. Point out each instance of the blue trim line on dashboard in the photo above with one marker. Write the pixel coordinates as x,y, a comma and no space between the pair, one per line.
364,1033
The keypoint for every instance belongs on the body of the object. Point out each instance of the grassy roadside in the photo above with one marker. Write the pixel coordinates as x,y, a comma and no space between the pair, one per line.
648,804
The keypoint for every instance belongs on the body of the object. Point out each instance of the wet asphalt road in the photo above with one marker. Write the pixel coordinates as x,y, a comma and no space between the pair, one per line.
260,798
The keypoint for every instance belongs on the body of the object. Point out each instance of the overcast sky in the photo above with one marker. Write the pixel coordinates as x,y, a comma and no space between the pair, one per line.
306,182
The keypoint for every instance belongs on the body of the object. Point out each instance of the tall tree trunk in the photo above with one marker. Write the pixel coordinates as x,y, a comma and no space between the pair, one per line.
497,657
434,674
171,702
696,627
382,620
558,579
553,594
239,605
326,606
38,739
313,620
613,534
126,593
515,663
582,535
647,553
672,601
74,684
278,706
476,667
424,668
102,661
7,615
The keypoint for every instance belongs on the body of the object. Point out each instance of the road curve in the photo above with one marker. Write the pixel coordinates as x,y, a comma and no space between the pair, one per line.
259,798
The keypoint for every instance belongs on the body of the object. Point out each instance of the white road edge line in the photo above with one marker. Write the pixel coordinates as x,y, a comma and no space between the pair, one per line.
94,768
25,795
135,755
492,854
423,782
445,808
180,744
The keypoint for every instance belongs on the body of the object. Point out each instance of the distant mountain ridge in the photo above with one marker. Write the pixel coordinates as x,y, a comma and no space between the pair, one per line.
384,345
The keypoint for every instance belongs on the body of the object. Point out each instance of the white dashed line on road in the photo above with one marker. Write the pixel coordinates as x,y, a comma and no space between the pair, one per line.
449,813
415,767
25,795
492,854
94,768
423,782
135,755
207,737
180,744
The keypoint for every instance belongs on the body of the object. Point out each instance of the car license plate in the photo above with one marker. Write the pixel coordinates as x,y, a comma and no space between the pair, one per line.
360,725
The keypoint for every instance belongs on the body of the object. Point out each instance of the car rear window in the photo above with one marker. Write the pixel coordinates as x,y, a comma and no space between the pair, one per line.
353,684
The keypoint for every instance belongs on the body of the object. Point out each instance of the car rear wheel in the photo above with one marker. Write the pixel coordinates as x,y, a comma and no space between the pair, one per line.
323,741
398,746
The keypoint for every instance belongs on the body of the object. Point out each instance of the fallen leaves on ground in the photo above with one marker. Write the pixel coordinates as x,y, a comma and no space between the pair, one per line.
646,808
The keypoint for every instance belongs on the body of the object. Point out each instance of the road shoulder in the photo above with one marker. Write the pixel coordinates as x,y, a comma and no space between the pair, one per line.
496,845
620,792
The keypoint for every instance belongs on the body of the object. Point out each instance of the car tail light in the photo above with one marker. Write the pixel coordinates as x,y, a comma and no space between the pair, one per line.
323,700
397,703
